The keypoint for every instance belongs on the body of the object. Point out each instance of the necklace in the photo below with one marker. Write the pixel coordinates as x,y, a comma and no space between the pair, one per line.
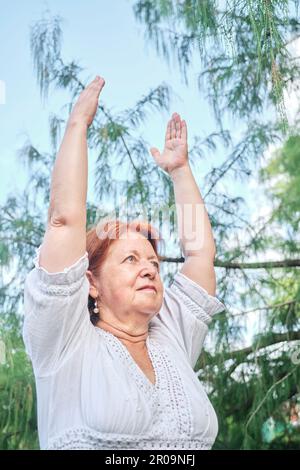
120,329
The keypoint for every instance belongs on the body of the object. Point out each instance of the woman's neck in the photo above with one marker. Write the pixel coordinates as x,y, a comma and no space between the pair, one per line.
123,335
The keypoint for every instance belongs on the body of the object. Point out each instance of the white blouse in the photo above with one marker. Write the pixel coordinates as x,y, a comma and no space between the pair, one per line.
91,394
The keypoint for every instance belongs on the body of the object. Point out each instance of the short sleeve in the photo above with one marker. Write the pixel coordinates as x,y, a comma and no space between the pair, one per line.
186,312
56,316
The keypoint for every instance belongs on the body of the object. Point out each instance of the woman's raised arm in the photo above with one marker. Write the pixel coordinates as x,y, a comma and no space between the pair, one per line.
65,237
194,226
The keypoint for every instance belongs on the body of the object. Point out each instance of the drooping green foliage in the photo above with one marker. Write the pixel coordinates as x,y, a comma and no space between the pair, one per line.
18,419
242,46
283,175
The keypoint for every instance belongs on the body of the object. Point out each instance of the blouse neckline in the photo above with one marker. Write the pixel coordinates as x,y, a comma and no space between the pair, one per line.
134,367
170,403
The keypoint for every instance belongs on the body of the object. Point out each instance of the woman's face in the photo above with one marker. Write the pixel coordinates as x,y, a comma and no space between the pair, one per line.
131,264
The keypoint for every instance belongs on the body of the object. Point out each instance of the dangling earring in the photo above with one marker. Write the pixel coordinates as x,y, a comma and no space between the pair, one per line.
96,309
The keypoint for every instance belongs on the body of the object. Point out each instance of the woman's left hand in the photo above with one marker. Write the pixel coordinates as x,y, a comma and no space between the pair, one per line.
175,153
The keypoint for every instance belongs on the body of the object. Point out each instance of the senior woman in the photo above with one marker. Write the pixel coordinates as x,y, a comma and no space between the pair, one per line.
112,349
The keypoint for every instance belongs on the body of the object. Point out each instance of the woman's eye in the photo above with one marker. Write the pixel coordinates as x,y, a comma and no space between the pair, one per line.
154,262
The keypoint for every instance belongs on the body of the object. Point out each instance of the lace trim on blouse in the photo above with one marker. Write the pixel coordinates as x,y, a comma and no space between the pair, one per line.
198,300
64,282
87,439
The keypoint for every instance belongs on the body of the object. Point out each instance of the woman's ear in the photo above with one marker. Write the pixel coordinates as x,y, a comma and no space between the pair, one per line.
93,289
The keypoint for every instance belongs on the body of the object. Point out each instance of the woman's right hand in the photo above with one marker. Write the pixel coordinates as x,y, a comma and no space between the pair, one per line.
86,106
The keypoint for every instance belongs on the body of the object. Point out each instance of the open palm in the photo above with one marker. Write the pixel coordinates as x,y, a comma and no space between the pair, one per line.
175,153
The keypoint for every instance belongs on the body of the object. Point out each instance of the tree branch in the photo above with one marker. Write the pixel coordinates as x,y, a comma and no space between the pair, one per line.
264,342
286,263
265,307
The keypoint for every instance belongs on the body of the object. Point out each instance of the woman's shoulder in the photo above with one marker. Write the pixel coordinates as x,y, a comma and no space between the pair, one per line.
61,282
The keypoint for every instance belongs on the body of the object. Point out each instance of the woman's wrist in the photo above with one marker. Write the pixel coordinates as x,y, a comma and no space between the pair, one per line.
76,123
180,172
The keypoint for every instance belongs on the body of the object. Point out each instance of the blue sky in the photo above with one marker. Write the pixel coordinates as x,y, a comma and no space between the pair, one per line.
107,40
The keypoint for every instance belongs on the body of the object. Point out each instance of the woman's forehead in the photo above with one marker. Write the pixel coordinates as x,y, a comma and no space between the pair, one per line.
138,243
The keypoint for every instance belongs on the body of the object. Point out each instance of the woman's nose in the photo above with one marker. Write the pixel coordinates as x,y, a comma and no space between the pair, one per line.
149,268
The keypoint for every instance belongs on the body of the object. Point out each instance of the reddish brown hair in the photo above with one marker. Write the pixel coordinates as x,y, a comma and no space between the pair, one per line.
100,238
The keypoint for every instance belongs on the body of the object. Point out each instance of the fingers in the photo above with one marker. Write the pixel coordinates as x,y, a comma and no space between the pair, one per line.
100,81
155,152
183,130
173,128
96,85
177,127
168,131
97,81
